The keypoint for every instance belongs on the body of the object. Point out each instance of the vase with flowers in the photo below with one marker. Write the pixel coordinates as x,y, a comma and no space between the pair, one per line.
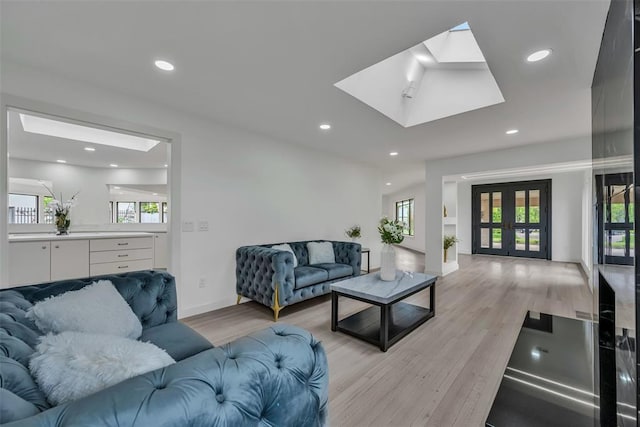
390,234
355,232
61,211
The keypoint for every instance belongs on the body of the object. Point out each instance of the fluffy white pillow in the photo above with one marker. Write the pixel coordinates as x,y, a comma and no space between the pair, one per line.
286,247
321,253
97,308
72,365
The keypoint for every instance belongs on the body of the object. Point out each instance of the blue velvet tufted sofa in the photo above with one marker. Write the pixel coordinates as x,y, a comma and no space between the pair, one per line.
267,275
275,377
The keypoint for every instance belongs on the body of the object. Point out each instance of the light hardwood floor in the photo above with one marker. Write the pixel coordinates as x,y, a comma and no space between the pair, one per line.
446,372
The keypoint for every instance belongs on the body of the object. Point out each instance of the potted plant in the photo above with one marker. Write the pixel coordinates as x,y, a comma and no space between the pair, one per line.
354,232
448,242
390,234
61,211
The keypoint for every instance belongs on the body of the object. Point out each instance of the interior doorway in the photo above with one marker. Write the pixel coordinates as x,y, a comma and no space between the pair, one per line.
512,219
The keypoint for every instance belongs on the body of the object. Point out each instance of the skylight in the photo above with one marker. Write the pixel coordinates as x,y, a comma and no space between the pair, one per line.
60,129
444,75
462,27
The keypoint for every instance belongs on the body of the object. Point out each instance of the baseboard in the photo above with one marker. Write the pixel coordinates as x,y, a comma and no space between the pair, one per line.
200,309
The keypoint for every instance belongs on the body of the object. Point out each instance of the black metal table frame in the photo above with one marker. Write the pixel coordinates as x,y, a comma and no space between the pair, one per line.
384,341
368,252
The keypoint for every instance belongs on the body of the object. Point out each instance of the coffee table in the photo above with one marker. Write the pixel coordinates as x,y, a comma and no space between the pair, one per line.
394,319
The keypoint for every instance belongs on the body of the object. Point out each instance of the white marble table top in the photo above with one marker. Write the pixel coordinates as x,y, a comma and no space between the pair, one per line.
371,288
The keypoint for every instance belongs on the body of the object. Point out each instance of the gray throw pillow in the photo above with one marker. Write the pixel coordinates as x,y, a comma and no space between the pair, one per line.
321,253
97,308
72,365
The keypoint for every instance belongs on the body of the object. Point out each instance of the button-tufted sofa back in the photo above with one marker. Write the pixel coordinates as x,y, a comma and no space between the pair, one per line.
151,295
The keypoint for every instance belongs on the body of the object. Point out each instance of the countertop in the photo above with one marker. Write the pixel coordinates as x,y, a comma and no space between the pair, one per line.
38,237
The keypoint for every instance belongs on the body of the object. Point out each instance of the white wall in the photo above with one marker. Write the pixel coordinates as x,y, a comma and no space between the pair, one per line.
415,192
566,150
566,213
92,208
250,188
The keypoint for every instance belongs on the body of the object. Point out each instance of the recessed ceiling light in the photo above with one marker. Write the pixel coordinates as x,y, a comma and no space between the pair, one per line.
113,165
166,166
61,161
539,55
393,153
116,188
164,65
512,131
325,126
155,194
89,149
388,183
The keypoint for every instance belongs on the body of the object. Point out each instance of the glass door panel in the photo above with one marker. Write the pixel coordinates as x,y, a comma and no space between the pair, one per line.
520,207
484,207
534,239
484,238
496,238
496,210
534,206
521,239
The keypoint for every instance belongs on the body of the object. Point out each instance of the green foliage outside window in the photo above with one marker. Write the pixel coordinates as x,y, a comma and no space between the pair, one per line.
150,208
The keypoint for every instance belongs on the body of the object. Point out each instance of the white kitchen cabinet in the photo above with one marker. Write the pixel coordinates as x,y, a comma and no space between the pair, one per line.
29,263
69,259
160,250
112,256
37,258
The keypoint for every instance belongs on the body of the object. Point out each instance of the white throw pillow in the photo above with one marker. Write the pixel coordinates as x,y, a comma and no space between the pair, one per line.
286,247
72,365
97,308
321,253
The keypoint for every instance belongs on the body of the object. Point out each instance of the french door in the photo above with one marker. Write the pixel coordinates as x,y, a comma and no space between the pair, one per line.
512,219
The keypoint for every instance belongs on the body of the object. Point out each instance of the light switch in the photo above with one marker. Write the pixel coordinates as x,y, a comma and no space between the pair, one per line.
203,225
187,226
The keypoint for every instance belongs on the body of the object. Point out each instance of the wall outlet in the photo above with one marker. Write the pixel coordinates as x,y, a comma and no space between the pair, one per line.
187,226
203,225
202,282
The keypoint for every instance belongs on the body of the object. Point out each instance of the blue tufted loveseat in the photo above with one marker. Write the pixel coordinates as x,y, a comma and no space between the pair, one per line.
277,376
267,275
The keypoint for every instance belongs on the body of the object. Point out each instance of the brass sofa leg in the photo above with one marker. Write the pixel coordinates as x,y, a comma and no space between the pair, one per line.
239,298
276,305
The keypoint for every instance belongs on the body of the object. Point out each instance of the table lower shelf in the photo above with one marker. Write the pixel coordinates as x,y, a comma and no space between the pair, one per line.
403,319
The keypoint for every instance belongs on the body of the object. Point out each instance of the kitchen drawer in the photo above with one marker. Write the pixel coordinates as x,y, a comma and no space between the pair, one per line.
120,267
120,244
117,256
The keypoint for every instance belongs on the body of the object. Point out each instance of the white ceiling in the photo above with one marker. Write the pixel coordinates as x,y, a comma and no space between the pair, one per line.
32,146
270,66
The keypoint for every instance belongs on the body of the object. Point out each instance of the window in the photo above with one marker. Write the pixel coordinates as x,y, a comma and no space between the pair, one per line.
615,194
404,213
150,212
126,212
23,209
165,212
47,212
